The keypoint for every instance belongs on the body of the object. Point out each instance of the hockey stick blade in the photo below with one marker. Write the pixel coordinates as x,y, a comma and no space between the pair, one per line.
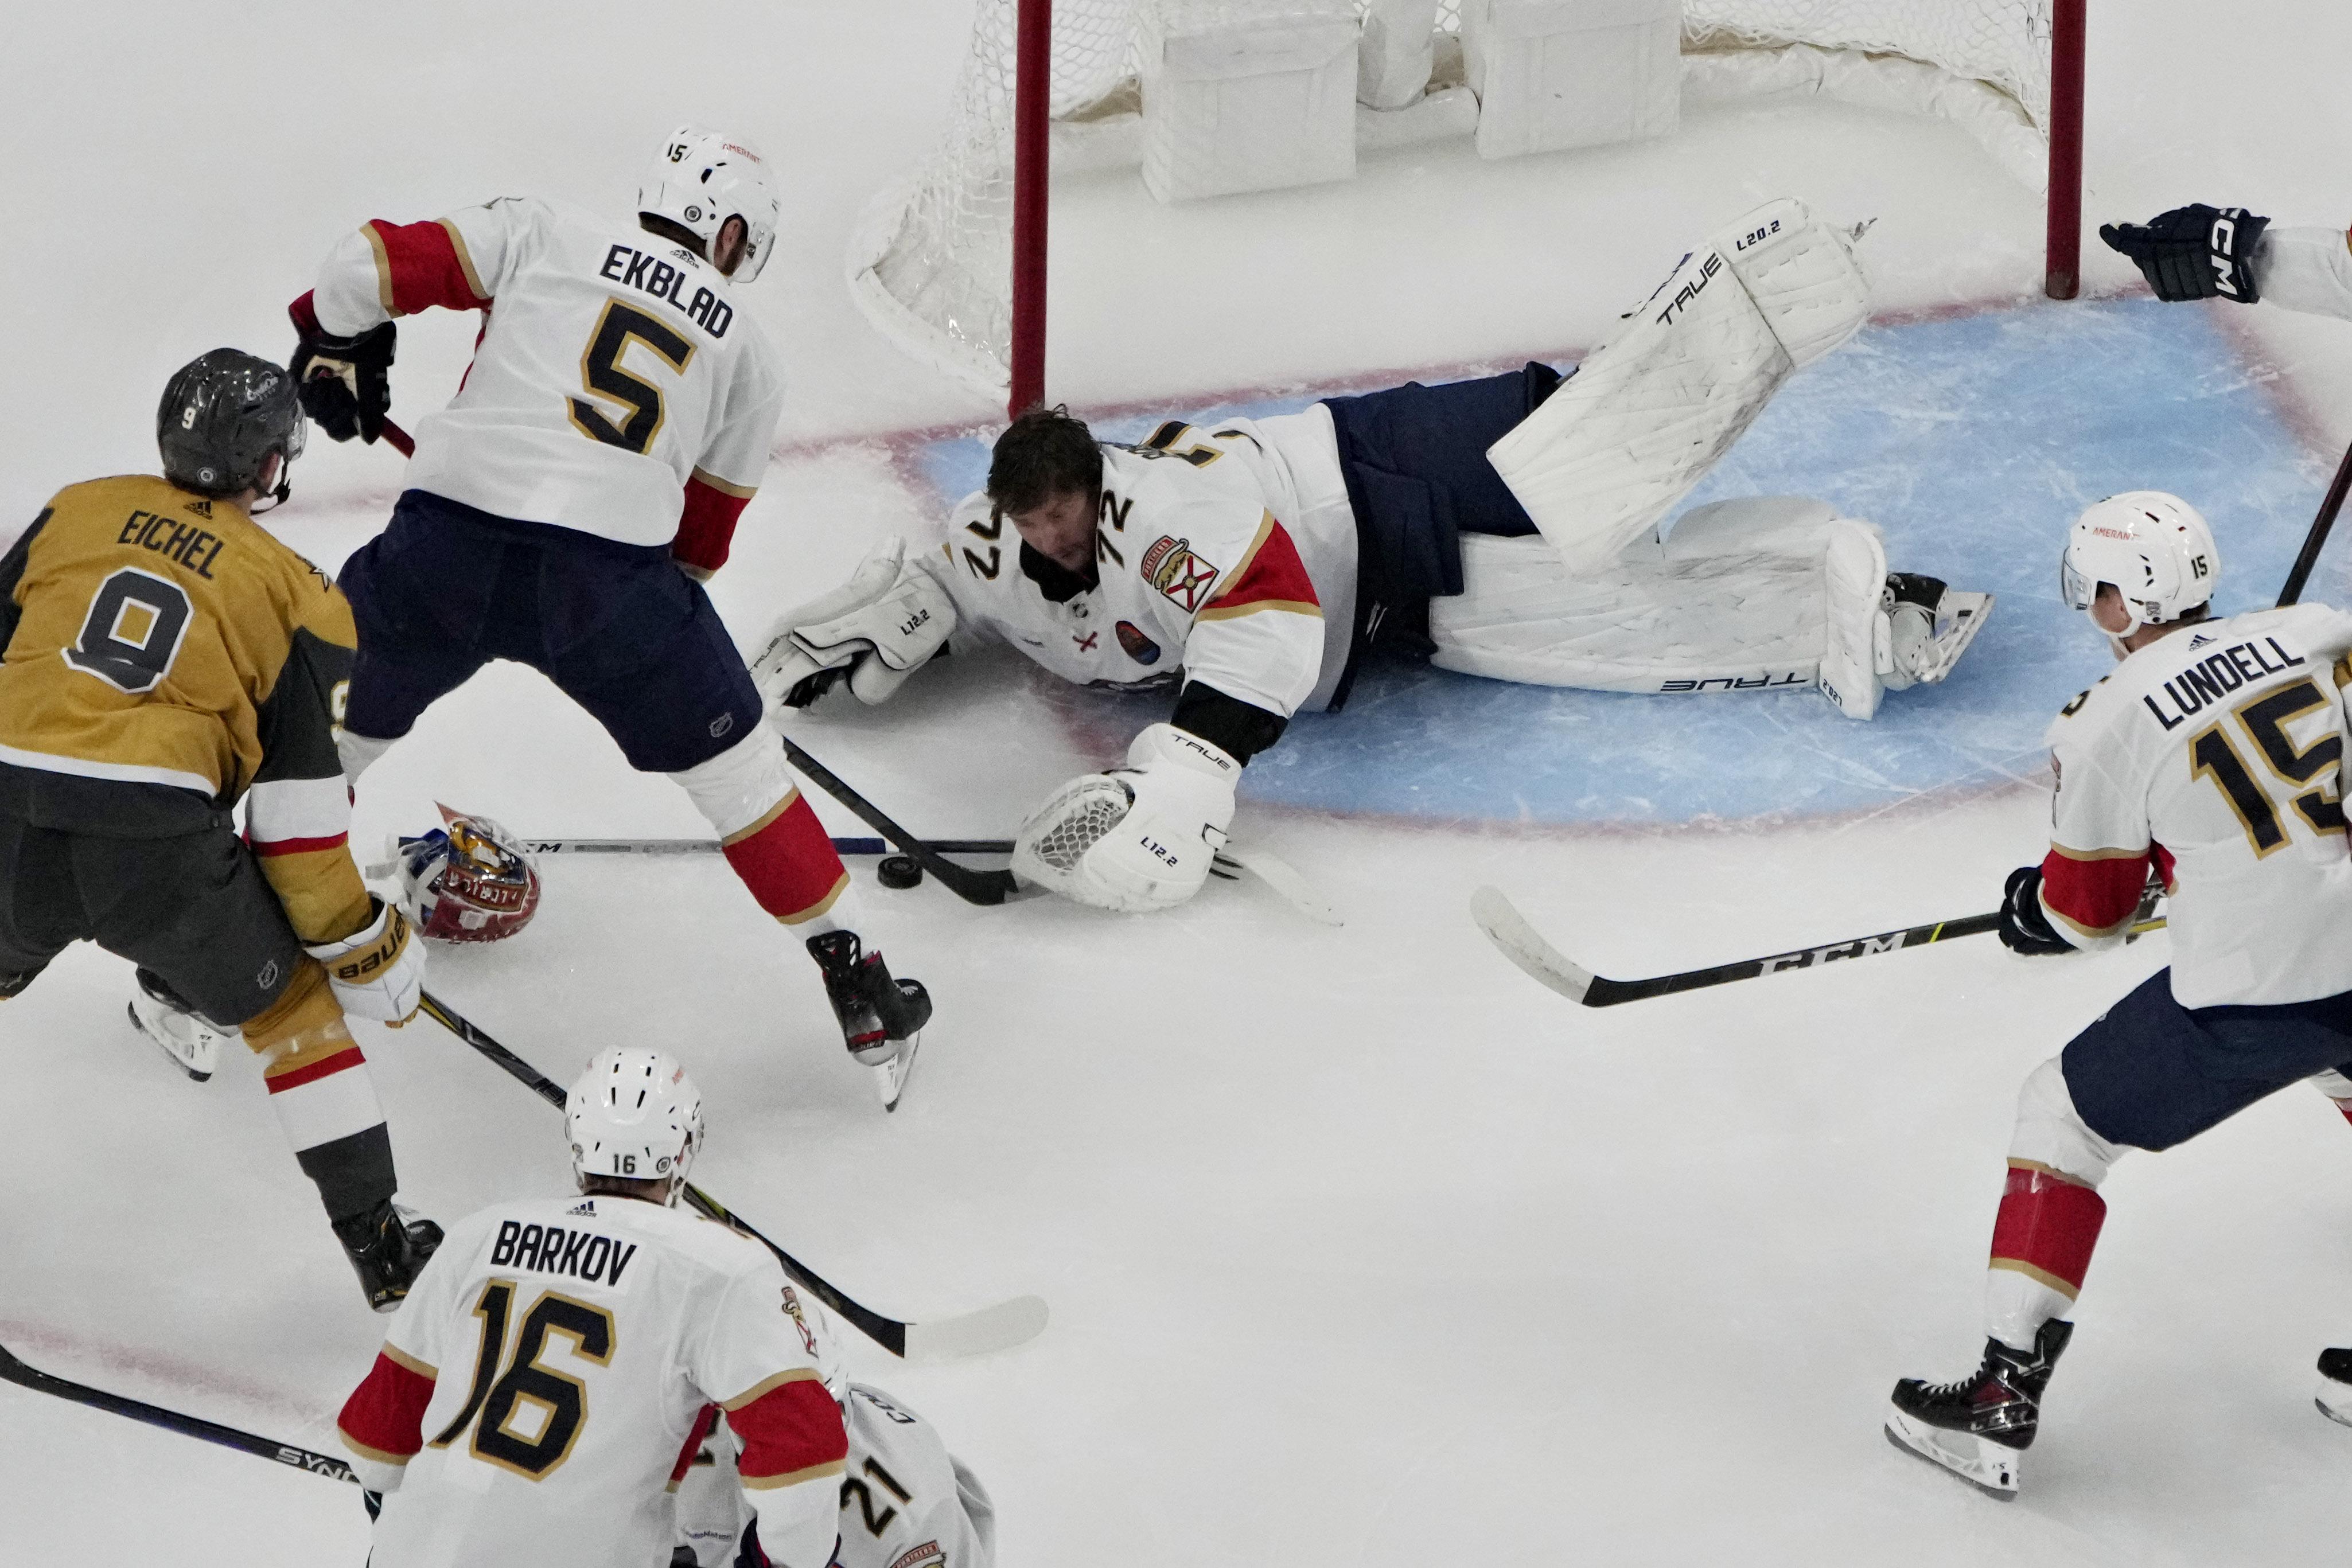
985,1330
14,1371
985,887
1518,941
1283,879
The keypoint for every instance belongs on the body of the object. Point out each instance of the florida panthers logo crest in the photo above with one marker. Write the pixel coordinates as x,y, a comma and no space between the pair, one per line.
1139,648
1170,567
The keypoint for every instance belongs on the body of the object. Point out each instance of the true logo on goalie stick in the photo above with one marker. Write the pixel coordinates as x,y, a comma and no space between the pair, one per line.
1139,648
1170,567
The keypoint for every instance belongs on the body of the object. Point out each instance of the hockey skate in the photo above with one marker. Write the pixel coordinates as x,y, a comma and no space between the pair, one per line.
1928,627
189,1039
2335,1396
881,1018
387,1246
1977,1428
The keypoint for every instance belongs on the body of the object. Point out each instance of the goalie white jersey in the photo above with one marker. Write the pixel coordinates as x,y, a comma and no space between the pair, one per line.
614,366
1211,562
546,1380
2215,755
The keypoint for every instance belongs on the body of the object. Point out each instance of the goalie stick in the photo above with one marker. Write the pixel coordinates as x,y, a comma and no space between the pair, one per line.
1228,864
1517,940
14,1371
999,1327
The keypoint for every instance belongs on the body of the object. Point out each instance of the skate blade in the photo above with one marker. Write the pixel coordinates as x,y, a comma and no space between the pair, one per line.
1988,1467
1963,616
199,1067
890,1077
2335,1401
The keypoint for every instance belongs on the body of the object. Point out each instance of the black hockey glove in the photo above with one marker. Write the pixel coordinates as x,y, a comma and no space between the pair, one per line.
2194,252
2024,928
345,383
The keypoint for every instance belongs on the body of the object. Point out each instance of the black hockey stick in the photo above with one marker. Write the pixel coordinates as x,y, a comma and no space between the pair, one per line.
712,846
14,1371
1548,967
971,886
1229,864
999,1327
2300,573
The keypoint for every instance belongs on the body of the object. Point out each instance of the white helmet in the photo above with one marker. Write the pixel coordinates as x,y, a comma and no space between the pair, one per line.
701,178
2155,548
634,1114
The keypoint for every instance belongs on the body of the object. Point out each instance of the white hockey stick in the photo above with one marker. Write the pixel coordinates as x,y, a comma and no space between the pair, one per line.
1283,878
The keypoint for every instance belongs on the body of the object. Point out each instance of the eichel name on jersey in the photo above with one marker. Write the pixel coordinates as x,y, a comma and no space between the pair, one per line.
2213,756
679,408
161,656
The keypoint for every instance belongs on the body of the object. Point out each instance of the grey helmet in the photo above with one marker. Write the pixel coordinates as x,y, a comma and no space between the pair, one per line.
223,415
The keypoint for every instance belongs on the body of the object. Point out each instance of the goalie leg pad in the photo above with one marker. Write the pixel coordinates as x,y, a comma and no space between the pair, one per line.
1732,601
1649,411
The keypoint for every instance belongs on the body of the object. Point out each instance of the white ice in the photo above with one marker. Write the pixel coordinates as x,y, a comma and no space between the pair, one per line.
1360,1248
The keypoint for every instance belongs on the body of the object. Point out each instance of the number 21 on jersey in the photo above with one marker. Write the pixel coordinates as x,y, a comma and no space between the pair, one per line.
527,1418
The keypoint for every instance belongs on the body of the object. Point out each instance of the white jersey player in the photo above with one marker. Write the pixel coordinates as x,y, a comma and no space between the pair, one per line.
1516,523
2211,757
2201,252
563,508
906,1501
553,1372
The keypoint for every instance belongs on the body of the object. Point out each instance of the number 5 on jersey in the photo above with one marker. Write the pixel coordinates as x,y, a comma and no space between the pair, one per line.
601,373
527,1419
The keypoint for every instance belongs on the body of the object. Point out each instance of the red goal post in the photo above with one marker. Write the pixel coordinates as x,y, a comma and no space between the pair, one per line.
951,264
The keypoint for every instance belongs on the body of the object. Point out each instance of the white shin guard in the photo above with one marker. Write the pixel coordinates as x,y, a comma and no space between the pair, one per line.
2050,1134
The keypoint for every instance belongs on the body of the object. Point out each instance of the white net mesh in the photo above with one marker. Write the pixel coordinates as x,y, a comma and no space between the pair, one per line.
932,263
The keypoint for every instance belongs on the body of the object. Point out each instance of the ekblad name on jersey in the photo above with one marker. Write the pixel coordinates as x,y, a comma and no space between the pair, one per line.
544,1387
2215,755
616,382
1211,565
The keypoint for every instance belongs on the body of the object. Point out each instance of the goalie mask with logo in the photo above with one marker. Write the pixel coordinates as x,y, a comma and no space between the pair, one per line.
469,880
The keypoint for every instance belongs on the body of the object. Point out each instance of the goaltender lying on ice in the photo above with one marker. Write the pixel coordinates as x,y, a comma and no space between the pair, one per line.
1516,525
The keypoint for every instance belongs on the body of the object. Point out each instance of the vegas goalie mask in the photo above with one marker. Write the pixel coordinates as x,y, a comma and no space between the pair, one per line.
1136,838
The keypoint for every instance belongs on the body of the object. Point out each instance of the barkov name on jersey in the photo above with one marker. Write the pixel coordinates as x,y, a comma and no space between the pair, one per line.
555,1250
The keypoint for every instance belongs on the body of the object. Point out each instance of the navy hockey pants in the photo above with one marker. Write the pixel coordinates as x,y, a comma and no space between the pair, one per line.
448,588
2150,1073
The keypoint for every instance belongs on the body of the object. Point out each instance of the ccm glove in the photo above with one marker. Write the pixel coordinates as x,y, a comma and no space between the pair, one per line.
377,971
2024,925
345,383
2194,252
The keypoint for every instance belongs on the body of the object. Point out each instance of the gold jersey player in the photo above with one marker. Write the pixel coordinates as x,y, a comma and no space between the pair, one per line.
561,511
162,656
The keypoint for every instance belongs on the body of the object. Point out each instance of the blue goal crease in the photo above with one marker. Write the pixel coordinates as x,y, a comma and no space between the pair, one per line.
1971,442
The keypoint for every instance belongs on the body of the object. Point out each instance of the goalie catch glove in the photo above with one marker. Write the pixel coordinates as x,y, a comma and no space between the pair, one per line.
2194,252
1136,838
888,619
345,383
377,971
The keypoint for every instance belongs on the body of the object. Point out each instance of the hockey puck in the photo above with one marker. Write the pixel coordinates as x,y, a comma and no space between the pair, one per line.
899,870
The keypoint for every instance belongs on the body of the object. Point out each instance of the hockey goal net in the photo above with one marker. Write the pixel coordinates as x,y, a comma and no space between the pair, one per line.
950,265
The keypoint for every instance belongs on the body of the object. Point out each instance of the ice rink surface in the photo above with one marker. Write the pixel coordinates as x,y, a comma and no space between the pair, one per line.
1360,1248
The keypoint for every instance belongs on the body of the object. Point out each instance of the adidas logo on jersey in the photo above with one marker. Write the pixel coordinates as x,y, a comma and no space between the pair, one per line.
2200,640
588,1208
